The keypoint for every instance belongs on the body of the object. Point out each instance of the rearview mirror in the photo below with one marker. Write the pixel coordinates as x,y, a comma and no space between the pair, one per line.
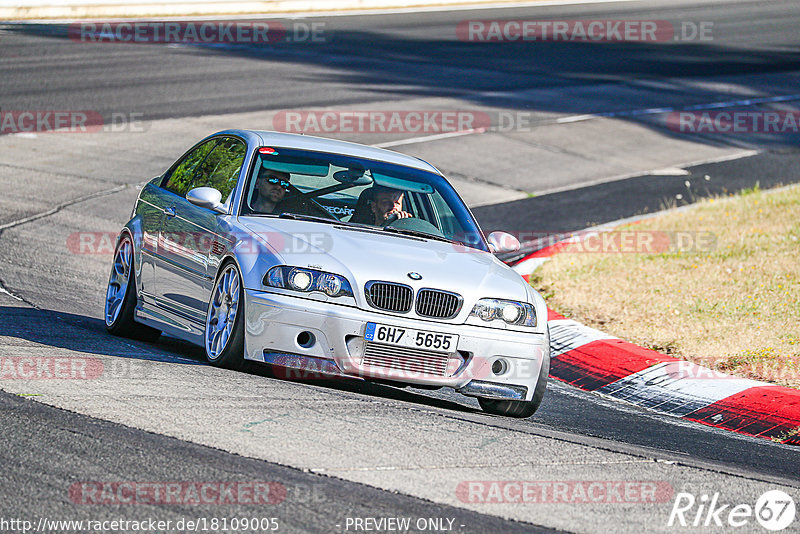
206,197
500,242
353,177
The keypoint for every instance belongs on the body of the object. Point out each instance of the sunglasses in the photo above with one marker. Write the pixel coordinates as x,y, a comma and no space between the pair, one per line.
276,180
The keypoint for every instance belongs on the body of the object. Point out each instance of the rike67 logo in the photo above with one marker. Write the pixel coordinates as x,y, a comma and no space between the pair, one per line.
774,510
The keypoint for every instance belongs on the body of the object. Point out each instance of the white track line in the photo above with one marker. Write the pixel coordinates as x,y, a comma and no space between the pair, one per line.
440,8
340,13
610,114
61,206
695,107
433,137
634,174
4,291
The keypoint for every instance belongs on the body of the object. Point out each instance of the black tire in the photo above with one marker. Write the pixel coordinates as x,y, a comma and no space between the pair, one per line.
123,324
521,409
232,354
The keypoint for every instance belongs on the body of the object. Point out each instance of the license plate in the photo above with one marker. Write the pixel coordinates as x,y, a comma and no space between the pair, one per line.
407,337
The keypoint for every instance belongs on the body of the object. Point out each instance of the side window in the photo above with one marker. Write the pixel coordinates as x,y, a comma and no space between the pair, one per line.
180,180
220,169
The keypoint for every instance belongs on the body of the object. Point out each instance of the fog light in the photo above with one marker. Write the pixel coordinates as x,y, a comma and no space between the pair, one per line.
499,367
306,339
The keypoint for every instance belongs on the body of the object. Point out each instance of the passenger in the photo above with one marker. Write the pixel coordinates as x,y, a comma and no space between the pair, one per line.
271,187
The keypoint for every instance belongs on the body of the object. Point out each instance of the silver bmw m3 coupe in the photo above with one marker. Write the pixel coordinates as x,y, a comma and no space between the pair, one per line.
315,255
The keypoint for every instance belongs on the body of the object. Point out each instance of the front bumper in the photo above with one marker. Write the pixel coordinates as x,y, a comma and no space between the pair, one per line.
303,333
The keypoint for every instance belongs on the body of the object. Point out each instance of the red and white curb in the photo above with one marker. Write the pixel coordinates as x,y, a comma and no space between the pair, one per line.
594,361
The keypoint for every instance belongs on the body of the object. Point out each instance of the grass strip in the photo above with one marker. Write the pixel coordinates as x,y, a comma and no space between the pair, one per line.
716,285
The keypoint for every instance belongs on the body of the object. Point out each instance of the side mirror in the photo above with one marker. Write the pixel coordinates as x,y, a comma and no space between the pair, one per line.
206,197
500,242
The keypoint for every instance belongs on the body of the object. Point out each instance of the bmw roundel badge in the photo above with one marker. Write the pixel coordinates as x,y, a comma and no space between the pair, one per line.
415,276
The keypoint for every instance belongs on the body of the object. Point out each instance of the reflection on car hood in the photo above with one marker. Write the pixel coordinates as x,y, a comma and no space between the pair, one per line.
365,254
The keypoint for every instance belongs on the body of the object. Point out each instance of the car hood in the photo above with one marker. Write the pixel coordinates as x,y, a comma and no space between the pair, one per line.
364,254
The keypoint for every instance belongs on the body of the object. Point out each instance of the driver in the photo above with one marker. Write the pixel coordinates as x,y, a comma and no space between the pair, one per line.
272,187
386,205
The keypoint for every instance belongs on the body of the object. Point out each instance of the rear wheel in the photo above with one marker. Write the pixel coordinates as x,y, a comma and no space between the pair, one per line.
224,335
510,408
121,297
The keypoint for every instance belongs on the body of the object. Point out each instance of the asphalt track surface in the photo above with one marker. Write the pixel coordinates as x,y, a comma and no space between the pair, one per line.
310,500
376,62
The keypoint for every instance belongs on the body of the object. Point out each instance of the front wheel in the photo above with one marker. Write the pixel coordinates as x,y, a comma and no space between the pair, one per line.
224,335
522,409
121,297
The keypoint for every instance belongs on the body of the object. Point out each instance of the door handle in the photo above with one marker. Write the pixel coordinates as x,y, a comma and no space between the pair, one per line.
170,212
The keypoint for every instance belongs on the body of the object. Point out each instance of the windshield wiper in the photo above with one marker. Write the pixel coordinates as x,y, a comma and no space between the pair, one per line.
312,218
417,233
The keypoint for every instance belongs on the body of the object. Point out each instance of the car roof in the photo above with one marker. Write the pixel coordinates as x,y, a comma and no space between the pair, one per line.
322,144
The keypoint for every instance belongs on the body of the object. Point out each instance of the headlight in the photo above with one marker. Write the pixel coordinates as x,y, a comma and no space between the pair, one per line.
300,280
330,284
307,280
509,311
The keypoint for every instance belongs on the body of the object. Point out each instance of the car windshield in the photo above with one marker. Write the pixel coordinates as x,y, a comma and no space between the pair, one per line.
359,192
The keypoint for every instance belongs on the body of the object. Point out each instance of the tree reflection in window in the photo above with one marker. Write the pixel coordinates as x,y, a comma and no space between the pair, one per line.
220,169
181,179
